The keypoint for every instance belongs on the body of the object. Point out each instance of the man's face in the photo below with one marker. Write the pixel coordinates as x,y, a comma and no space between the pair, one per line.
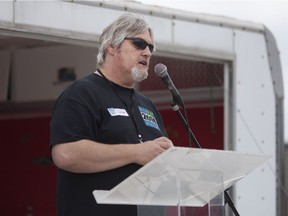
133,57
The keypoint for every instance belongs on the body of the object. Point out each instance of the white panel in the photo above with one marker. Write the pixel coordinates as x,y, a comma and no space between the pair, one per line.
4,73
255,123
64,16
81,18
6,11
201,36
162,29
35,71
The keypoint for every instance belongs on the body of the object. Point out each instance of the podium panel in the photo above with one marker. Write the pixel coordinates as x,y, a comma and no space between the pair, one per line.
182,177
214,208
184,211
197,193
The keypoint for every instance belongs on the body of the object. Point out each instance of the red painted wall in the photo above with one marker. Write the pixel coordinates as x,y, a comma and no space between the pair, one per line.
28,177
206,123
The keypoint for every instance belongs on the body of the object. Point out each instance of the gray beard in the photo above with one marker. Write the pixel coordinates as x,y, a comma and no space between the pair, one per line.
137,75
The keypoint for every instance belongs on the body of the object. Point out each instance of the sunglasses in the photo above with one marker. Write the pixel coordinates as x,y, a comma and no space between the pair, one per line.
141,44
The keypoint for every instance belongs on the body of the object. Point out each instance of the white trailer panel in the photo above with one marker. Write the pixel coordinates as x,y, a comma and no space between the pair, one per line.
6,11
201,38
254,122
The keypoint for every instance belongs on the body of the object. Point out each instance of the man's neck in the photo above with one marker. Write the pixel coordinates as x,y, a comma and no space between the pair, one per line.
115,77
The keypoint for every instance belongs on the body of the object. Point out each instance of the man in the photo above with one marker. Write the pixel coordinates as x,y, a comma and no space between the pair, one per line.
102,130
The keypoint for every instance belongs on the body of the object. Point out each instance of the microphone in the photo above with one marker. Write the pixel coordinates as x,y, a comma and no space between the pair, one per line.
161,71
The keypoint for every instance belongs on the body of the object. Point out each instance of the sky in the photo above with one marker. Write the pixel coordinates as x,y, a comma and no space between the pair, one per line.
272,13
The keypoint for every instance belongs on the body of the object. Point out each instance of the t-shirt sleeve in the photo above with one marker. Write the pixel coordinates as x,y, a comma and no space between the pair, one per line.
72,121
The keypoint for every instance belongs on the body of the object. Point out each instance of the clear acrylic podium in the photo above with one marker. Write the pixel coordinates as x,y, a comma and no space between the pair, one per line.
182,180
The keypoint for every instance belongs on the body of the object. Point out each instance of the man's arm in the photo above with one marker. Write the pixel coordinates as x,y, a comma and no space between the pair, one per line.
86,156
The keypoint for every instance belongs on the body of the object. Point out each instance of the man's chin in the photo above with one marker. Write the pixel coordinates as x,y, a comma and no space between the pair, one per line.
139,75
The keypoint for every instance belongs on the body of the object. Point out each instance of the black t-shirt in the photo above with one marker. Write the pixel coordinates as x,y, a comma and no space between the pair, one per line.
96,109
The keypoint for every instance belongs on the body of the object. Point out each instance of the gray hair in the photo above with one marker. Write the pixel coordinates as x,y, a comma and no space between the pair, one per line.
127,25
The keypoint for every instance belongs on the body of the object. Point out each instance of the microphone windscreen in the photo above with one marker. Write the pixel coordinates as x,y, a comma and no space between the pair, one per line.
160,70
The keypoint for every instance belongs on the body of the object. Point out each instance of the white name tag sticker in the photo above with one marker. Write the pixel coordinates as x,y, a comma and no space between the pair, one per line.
117,112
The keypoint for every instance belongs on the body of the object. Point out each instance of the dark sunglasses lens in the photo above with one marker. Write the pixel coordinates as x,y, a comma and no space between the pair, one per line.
142,44
151,48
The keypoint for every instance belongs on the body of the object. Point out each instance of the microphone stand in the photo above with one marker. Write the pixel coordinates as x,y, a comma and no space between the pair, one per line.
175,108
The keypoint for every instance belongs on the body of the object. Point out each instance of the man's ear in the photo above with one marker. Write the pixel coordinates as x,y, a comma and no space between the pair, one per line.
111,50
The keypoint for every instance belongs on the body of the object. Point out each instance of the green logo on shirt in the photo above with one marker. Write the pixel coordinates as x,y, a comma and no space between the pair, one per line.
148,117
